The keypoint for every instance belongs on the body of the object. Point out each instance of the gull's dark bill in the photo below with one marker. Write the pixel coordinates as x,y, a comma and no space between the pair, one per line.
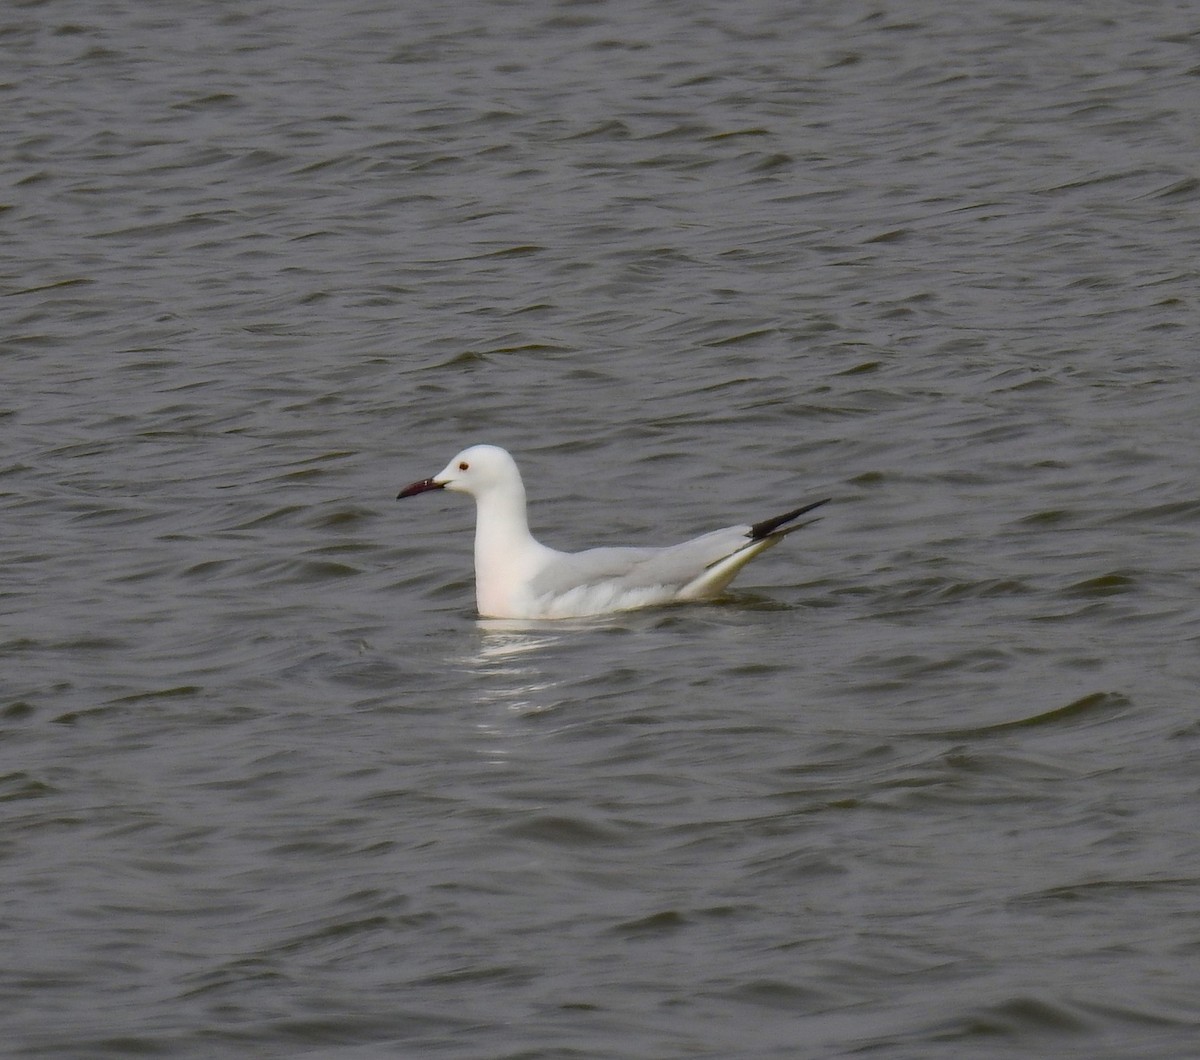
424,486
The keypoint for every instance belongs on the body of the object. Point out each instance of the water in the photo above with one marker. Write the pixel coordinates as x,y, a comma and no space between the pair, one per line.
923,786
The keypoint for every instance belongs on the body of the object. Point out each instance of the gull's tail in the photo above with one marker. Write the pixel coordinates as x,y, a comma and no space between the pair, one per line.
772,527
722,571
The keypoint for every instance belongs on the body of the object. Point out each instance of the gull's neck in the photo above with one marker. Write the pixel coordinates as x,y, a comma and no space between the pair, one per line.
506,554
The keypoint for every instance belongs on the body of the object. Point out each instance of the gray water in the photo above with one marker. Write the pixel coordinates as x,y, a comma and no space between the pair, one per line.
924,786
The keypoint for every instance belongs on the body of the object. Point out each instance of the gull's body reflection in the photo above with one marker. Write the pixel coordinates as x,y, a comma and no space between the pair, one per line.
510,660
525,668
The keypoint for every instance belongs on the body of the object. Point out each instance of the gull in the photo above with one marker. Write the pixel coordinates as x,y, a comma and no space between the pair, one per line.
516,576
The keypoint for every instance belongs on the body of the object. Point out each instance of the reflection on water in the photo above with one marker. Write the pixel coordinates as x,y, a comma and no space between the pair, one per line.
526,667
509,664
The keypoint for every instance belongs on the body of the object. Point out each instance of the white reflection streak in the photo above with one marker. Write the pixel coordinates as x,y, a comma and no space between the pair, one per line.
510,677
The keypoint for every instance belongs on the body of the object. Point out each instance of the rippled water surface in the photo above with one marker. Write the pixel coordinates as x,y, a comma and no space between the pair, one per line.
923,786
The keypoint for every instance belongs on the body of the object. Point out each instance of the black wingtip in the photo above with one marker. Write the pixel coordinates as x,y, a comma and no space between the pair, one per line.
769,526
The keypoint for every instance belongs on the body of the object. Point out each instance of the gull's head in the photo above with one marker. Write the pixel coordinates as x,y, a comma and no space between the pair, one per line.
477,470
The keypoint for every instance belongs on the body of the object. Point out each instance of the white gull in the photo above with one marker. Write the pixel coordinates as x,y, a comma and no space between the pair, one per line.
518,577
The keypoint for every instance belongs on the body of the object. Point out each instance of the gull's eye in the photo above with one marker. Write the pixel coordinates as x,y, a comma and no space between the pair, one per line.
463,465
